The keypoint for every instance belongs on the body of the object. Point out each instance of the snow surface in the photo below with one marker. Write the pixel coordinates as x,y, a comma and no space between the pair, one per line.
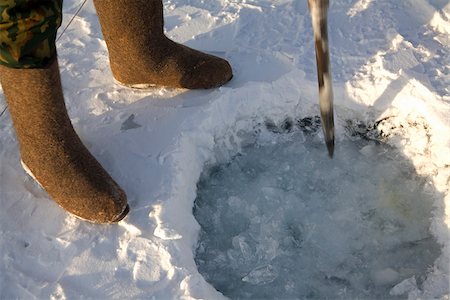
390,60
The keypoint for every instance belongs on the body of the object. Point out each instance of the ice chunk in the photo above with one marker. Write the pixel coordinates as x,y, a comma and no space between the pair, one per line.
261,275
243,248
369,150
404,287
384,277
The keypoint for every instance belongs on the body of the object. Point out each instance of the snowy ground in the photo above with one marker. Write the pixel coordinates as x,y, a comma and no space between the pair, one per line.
390,61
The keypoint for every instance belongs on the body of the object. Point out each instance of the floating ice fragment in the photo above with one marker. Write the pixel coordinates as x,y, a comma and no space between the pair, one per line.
384,277
241,245
369,150
261,275
403,287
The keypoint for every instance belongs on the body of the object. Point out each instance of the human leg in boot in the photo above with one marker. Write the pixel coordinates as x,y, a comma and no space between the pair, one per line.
52,151
50,148
141,55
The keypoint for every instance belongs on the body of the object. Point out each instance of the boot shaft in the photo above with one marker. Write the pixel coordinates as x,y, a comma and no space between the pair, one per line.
52,151
35,99
128,26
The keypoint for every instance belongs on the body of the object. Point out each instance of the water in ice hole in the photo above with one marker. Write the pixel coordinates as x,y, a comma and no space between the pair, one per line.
282,220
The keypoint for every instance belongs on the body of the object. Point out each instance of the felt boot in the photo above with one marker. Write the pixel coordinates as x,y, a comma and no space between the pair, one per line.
141,55
51,150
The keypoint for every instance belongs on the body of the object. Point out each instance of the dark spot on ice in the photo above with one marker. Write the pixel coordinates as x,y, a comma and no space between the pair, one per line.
130,123
337,280
309,125
284,127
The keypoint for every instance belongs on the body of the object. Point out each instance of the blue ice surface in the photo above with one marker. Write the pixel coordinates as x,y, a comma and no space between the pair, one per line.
282,220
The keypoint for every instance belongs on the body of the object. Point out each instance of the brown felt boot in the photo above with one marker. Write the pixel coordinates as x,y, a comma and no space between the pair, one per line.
141,55
51,150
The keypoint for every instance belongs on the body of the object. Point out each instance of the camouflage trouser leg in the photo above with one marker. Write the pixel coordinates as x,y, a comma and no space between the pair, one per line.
28,32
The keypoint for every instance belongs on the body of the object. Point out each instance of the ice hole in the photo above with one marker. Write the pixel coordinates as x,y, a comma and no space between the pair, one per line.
282,220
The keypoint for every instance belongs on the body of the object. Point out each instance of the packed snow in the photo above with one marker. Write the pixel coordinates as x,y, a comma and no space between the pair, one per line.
390,65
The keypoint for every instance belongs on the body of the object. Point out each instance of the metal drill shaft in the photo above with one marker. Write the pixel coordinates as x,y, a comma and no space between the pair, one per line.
319,11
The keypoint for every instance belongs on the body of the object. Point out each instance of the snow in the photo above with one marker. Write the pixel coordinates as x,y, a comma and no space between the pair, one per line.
390,62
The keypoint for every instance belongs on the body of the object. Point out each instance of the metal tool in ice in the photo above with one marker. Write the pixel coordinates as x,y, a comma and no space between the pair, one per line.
319,11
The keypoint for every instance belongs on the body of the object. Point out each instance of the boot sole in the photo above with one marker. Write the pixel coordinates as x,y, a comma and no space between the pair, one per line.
138,86
119,217
149,86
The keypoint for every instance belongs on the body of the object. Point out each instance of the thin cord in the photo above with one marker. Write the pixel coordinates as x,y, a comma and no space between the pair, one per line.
1,114
71,20
62,33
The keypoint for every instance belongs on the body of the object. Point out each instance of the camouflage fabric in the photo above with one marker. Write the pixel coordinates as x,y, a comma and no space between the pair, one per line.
28,32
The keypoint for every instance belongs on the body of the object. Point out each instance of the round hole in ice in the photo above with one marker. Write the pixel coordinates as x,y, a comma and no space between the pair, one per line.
282,220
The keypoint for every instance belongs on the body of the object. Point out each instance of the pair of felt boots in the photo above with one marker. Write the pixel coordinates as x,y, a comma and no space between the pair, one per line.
140,54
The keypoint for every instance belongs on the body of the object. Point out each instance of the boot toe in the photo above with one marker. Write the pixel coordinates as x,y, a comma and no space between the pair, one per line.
122,215
208,73
110,208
